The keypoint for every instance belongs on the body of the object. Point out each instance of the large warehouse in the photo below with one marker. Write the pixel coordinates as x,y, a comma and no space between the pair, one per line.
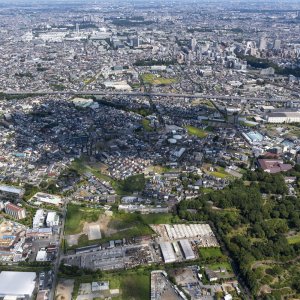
167,252
283,117
187,249
19,285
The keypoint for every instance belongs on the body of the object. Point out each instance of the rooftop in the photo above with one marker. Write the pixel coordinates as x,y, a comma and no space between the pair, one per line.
25,283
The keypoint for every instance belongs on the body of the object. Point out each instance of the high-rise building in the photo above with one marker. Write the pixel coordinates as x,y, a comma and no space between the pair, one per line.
277,44
263,43
135,42
193,44
199,53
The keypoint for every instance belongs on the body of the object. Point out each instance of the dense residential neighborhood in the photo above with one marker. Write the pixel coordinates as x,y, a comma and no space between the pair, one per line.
149,150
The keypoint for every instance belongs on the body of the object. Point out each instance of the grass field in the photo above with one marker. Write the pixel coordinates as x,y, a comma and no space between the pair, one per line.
202,102
135,287
247,124
127,226
207,253
152,79
77,216
200,133
158,218
220,173
294,239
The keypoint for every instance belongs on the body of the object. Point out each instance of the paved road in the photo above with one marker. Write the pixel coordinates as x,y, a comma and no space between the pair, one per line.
148,94
57,262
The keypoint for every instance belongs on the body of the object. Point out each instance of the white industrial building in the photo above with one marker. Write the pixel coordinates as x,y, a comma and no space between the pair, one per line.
167,252
100,286
39,218
40,198
41,255
187,249
52,219
283,117
182,231
17,285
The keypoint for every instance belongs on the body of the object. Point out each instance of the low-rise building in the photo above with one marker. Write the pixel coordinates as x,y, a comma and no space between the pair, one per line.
15,211
11,193
283,117
17,285
274,165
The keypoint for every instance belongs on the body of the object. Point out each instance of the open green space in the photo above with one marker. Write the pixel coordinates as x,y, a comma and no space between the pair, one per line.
211,252
202,102
77,215
127,226
132,284
220,173
246,124
83,165
131,184
294,239
254,228
200,133
159,218
135,286
146,125
152,79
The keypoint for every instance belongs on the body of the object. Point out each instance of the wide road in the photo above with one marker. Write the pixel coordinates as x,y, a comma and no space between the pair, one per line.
59,252
150,94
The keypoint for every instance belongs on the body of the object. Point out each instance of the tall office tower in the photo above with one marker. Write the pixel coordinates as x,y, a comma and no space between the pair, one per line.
77,28
199,53
136,42
193,44
190,56
263,43
175,50
277,44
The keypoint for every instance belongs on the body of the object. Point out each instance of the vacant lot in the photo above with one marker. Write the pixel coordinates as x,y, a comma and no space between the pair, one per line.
152,79
135,287
127,226
77,215
64,289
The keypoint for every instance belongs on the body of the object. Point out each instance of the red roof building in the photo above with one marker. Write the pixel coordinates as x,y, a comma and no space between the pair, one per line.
274,165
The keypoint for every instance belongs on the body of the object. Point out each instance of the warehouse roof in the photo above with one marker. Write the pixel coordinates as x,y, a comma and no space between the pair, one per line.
167,252
10,189
187,249
17,283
